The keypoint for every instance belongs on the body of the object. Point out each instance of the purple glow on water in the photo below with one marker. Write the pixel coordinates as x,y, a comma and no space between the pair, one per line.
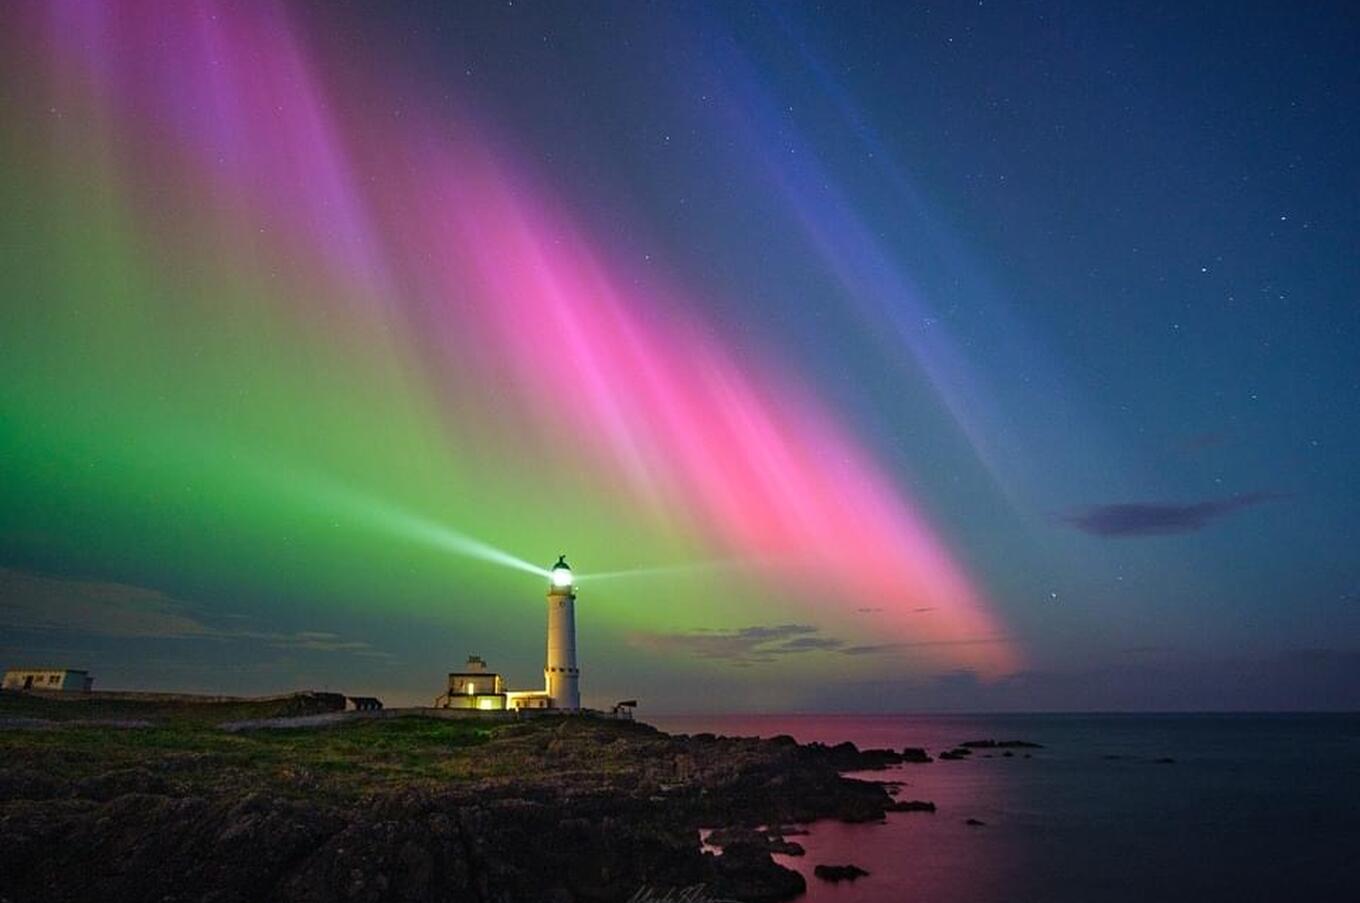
1254,807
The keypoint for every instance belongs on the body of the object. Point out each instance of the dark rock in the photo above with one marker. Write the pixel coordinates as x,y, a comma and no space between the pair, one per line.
724,837
863,804
915,755
912,806
974,822
785,847
771,841
848,757
999,744
29,784
746,872
952,754
151,847
836,873
1166,760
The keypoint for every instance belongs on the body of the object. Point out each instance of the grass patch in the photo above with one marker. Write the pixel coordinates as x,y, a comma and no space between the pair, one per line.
102,708
188,753
342,760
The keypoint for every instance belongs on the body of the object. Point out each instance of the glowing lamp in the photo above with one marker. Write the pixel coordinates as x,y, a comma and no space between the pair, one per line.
561,573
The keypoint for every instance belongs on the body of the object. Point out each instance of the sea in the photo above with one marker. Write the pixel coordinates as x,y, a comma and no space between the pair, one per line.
1251,807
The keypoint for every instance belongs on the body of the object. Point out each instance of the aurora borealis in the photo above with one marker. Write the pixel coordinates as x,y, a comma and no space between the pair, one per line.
320,322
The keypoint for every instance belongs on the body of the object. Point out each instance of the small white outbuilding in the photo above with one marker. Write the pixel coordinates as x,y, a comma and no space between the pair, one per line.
63,679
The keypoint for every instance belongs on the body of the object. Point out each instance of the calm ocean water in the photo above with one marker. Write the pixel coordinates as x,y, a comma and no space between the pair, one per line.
1255,807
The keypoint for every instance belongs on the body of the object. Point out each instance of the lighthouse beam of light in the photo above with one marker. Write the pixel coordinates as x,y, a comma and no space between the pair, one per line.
666,570
430,532
331,498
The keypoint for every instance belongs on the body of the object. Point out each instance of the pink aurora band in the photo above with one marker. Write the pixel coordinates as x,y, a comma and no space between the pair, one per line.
437,227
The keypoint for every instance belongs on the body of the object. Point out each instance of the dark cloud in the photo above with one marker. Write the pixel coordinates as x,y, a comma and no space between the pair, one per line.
889,648
807,644
1157,519
318,642
750,645
744,645
876,610
56,605
34,602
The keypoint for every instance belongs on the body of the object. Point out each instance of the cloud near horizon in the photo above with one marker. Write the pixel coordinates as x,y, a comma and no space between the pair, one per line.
1159,519
34,602
888,648
1303,679
742,645
755,644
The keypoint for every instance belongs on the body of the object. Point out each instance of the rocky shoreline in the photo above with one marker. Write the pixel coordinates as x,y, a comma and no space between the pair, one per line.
555,809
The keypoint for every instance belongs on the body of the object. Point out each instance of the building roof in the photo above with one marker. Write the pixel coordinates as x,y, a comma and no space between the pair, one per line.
40,668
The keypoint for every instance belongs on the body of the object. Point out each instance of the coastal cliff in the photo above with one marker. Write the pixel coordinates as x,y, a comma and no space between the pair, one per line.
405,809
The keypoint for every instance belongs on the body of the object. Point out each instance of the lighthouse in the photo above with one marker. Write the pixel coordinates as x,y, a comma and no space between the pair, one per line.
560,672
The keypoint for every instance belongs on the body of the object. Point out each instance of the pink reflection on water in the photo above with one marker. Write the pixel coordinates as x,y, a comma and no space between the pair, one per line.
913,856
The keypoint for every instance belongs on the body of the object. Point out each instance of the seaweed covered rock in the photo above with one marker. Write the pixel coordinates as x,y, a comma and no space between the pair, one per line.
838,873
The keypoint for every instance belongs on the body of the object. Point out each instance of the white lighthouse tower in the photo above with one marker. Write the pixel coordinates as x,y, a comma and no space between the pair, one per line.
560,672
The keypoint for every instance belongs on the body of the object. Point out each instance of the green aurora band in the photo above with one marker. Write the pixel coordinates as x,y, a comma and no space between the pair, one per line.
243,399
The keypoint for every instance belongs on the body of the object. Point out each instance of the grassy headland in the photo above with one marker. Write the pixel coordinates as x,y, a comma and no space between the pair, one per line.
129,800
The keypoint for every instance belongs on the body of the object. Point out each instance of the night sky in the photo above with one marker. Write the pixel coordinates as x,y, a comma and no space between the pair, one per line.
863,357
